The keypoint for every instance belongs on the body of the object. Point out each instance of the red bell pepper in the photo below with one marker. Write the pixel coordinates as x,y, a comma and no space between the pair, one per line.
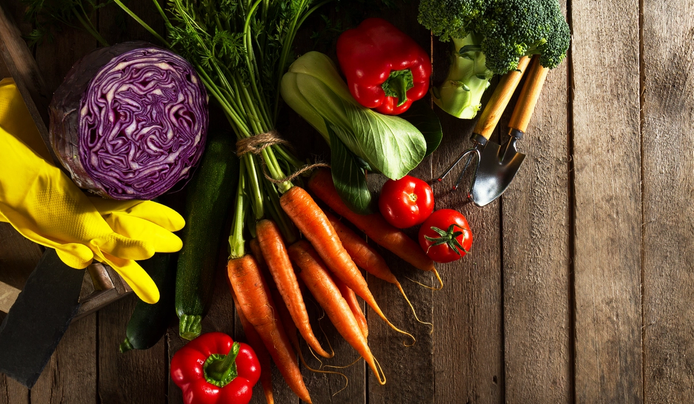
213,369
385,69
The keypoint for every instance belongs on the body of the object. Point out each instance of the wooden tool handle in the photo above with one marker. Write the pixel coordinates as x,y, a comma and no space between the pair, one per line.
502,95
528,96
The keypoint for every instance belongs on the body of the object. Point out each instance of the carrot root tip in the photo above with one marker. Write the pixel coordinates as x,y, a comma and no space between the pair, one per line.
414,312
344,366
414,340
380,370
438,277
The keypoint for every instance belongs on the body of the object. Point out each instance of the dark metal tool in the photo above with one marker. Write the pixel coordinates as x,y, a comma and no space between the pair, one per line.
487,123
498,165
53,296
38,319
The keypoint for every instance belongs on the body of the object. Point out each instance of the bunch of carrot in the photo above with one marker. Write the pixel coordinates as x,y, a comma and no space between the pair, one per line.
243,79
267,283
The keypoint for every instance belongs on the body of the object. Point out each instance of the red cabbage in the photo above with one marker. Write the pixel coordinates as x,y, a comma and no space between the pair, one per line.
129,121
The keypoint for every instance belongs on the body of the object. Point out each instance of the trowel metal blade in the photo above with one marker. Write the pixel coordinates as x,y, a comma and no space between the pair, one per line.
498,165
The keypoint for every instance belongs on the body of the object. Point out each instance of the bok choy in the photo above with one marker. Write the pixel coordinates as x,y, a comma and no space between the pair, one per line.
368,140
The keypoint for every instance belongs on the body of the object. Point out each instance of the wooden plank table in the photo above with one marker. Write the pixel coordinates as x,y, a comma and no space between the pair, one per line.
579,285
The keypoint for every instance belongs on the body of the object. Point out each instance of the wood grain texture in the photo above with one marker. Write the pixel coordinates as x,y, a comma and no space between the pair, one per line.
21,64
332,388
607,212
71,375
12,392
281,393
536,256
137,376
468,336
401,362
173,344
56,58
468,317
668,125
8,296
579,283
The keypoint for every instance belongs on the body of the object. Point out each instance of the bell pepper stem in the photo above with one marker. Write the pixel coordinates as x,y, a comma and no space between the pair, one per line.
397,84
401,89
221,369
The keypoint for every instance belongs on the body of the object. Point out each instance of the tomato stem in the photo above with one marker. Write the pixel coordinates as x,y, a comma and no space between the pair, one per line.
448,237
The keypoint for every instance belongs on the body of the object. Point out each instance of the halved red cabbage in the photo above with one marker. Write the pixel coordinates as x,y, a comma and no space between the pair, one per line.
129,121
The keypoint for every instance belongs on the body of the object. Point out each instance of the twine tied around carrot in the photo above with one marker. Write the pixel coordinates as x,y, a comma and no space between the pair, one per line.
257,143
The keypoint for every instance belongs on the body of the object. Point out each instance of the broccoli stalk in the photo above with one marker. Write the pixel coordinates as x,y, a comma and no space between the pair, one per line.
468,77
490,37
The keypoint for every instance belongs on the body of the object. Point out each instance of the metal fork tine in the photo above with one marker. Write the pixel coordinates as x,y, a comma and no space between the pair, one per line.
474,153
455,163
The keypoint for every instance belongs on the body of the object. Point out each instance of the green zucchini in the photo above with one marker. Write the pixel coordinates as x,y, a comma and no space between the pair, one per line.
209,198
148,322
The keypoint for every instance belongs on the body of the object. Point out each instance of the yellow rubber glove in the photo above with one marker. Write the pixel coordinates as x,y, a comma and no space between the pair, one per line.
45,206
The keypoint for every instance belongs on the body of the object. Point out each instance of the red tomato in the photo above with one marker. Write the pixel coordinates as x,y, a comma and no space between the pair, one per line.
406,202
445,236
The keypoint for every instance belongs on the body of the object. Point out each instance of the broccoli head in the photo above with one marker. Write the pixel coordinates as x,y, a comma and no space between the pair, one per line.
496,33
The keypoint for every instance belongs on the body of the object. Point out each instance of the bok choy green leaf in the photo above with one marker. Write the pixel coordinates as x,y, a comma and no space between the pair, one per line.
314,89
349,176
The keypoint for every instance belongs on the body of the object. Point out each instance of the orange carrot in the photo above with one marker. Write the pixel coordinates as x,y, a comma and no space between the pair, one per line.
367,258
255,301
275,254
354,305
282,310
289,326
286,319
320,283
261,352
315,226
292,332
257,254
374,225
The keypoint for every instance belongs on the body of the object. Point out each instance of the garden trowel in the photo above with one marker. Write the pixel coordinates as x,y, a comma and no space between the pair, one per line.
498,164
488,120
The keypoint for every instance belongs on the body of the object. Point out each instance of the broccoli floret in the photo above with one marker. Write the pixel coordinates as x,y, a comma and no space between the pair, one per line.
489,37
